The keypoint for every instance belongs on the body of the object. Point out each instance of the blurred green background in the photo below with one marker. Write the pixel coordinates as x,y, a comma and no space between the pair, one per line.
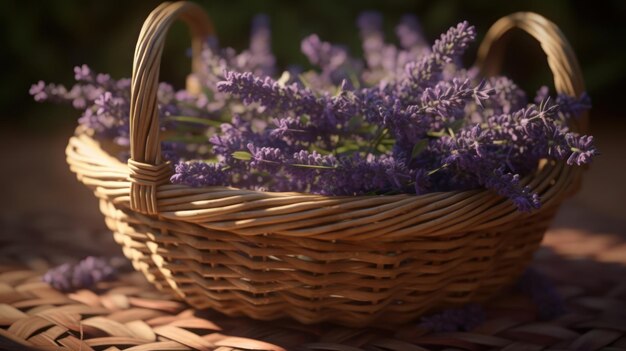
46,39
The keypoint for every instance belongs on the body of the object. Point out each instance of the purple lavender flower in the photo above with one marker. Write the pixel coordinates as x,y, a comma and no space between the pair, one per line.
543,294
334,61
359,175
582,149
543,93
569,106
370,27
411,120
268,159
573,106
289,125
507,97
465,318
410,34
540,124
423,183
383,60
82,73
453,43
370,24
105,103
84,274
323,54
260,46
326,113
38,91
314,158
305,167
507,185
447,49
257,59
449,98
198,174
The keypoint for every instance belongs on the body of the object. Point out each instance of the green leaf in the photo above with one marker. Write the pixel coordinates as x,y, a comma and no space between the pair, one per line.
187,139
419,147
437,169
381,134
355,121
242,155
304,80
436,134
454,127
207,92
312,166
191,119
347,148
305,119
354,79
212,160
320,150
457,125
451,132
284,78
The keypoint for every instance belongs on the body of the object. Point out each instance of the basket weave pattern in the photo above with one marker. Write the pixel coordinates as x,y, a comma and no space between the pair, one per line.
350,260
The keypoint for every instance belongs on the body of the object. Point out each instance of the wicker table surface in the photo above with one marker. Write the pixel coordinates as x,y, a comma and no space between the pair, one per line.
588,268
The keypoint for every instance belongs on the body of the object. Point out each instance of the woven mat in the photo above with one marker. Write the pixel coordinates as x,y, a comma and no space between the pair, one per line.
589,270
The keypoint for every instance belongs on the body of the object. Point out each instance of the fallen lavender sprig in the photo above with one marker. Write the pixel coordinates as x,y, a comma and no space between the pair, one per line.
82,275
465,318
543,293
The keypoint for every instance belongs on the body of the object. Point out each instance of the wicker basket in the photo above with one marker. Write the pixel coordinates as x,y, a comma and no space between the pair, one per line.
349,260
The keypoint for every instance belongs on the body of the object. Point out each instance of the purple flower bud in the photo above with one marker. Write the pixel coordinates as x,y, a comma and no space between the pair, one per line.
260,46
465,318
543,294
38,91
198,174
410,33
83,73
582,149
84,274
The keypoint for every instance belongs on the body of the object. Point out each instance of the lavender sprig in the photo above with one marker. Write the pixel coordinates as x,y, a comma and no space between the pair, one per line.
334,61
406,119
543,293
426,71
448,99
260,46
82,275
410,34
465,318
327,113
199,174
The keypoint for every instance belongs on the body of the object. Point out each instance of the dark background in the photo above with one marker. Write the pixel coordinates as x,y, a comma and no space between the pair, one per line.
46,39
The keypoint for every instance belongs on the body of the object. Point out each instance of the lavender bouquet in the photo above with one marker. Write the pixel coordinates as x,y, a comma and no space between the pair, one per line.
405,118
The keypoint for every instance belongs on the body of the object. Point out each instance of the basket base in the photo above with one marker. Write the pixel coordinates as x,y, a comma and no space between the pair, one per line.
266,278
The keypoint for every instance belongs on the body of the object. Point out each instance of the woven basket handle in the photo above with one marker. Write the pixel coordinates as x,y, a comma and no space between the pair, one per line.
147,170
568,78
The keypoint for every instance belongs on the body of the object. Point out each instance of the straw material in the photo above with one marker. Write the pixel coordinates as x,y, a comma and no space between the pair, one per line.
350,260
129,314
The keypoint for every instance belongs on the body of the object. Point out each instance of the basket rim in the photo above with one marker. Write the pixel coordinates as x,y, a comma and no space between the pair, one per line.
116,163
251,212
